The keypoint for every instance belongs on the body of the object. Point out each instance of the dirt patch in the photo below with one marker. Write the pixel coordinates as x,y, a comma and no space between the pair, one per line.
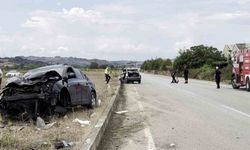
121,126
19,135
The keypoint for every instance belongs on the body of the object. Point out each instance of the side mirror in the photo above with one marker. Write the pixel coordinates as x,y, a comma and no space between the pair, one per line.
65,79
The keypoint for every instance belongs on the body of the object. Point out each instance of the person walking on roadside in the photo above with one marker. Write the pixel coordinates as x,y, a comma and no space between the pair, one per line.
173,77
217,76
185,73
107,74
1,76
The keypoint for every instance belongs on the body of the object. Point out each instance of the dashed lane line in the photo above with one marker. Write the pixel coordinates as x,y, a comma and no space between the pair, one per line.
235,110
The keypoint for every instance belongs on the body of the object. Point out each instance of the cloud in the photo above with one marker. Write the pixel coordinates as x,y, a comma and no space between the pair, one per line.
240,1
183,44
36,22
83,33
80,12
116,8
128,29
228,16
4,38
58,3
62,48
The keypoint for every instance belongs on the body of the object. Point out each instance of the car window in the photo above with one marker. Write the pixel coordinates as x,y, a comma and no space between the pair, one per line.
78,73
71,73
132,70
84,76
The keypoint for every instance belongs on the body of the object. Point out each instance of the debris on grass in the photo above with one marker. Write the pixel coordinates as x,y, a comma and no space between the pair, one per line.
2,125
98,103
82,122
21,128
92,115
121,112
63,144
40,124
65,117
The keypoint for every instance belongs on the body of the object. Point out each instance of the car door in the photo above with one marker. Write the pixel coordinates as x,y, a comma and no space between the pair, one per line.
85,90
74,86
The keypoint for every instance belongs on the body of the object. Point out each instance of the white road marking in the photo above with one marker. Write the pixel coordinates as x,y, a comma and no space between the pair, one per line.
235,110
147,132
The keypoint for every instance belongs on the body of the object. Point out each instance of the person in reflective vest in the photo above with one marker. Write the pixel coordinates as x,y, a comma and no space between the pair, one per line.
107,74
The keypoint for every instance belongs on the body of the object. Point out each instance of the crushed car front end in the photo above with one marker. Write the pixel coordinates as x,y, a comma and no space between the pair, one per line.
30,95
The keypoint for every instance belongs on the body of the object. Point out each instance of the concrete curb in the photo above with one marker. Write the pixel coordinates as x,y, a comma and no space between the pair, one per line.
94,138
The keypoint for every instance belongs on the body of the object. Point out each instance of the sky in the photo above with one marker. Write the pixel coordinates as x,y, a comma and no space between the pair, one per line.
119,29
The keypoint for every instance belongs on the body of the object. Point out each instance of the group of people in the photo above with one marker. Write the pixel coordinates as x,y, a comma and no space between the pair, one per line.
217,76
185,75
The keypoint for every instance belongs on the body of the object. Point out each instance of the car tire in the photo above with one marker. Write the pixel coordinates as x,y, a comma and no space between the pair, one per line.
139,81
64,99
248,84
234,85
93,101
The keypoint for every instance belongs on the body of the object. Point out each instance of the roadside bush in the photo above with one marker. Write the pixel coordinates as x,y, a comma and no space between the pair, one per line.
207,73
227,73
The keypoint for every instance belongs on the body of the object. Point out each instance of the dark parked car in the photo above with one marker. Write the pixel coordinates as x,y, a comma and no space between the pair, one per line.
130,75
46,89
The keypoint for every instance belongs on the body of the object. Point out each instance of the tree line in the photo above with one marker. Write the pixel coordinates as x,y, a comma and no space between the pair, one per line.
200,59
157,64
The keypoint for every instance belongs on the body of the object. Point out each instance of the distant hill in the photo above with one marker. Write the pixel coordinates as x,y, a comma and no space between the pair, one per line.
78,62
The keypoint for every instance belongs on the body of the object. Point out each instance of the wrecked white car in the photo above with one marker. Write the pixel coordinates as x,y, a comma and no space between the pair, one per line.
46,90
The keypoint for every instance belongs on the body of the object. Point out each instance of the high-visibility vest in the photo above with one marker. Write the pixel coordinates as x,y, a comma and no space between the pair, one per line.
1,73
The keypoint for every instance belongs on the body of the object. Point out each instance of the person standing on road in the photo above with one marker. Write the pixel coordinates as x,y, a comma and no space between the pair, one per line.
123,76
107,74
1,76
217,76
173,77
185,73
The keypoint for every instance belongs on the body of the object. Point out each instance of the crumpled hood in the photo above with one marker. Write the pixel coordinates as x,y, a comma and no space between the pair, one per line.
33,78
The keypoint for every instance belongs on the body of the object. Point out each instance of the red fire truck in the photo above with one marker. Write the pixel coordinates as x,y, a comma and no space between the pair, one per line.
241,69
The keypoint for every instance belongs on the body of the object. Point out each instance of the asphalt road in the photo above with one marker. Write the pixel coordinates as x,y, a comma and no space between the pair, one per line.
194,116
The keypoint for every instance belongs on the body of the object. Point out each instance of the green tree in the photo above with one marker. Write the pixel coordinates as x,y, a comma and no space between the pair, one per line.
93,65
157,64
198,56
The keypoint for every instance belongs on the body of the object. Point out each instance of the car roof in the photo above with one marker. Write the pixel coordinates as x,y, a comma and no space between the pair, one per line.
132,68
58,68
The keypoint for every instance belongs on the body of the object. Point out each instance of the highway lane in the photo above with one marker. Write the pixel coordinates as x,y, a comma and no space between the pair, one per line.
190,116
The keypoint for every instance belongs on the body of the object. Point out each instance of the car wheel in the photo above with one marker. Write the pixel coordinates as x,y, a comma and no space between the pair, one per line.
139,81
93,100
234,85
248,84
64,99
